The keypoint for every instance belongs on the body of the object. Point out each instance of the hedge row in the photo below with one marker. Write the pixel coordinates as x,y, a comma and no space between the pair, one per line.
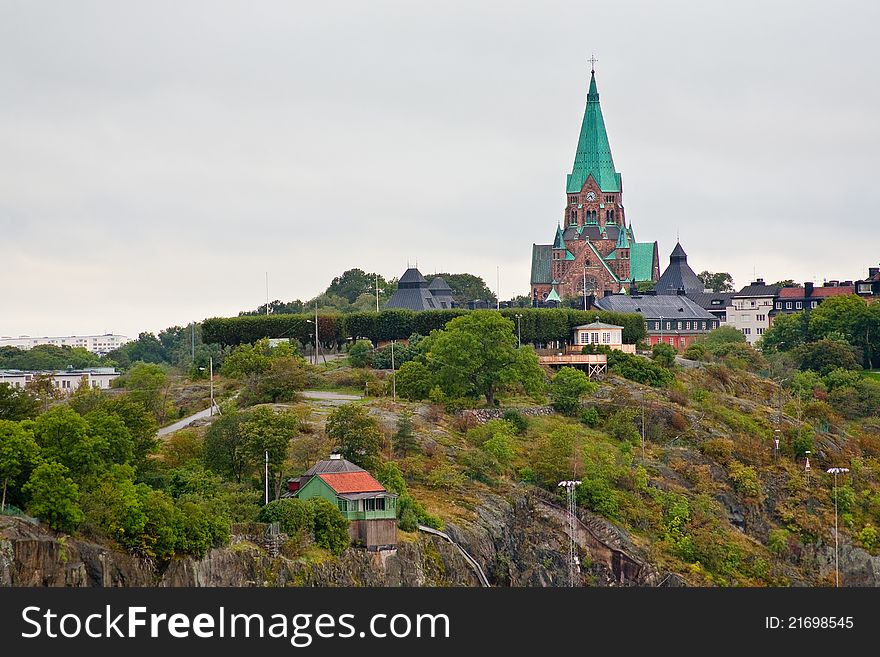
537,325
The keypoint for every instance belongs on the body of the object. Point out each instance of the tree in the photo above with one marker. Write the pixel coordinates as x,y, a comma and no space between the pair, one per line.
110,436
359,354
854,320
42,386
356,435
285,377
787,332
414,381
717,282
19,453
568,387
64,437
138,420
477,354
266,432
721,336
147,385
331,527
293,515
248,359
467,287
17,403
788,282
355,283
225,447
553,456
146,349
823,356
404,439
54,497
664,354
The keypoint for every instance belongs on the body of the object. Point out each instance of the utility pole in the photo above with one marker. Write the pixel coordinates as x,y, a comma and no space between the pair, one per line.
643,428
193,342
518,331
393,375
211,377
573,564
661,328
267,294
267,476
497,288
377,292
835,472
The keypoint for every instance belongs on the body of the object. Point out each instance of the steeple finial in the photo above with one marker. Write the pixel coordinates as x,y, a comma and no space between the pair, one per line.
593,61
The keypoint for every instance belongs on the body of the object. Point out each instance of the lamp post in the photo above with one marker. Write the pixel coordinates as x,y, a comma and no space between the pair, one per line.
661,328
518,331
309,321
585,287
835,472
393,375
211,377
776,433
377,292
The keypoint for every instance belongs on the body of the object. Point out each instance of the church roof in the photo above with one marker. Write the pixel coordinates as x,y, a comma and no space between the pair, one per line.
593,155
541,258
622,239
641,260
553,296
558,241
678,275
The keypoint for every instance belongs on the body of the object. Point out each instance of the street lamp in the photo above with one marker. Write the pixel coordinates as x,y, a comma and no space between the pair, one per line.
661,328
835,472
518,331
776,433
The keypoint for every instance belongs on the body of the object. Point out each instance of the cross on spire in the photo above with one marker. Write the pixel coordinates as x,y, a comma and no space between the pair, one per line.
593,61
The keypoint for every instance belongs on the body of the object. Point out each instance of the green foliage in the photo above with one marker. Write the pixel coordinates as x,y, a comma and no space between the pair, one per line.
294,516
567,389
390,476
146,349
225,448
477,355
806,384
146,384
862,400
741,356
846,499
786,333
17,403
842,378
717,282
723,335
589,417
356,434
248,359
664,354
265,432
331,527
138,420
500,446
414,381
516,420
360,354
777,542
852,319
285,377
54,497
825,355
745,481
622,425
868,537
19,455
46,357
552,456
639,369
404,439
64,438
110,436
696,351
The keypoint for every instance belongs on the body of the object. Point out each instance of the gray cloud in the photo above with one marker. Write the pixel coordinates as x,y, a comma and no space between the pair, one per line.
157,158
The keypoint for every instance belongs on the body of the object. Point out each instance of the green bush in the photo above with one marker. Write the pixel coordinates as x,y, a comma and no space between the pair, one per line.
622,425
414,381
745,480
589,417
294,516
664,354
360,354
517,420
54,497
640,370
331,527
868,537
568,387
777,542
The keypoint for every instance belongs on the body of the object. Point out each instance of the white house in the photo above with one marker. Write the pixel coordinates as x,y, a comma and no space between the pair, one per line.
600,334
67,381
750,309
97,344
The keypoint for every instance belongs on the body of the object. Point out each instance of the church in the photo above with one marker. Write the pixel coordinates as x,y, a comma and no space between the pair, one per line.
594,251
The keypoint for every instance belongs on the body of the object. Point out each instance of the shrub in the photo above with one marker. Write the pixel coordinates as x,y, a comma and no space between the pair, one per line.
414,381
696,351
639,369
664,354
360,354
868,537
622,425
331,527
745,480
720,449
54,497
517,420
567,388
294,516
777,541
589,417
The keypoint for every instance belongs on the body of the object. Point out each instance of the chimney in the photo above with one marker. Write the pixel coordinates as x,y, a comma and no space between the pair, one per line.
873,271
336,456
808,289
846,284
760,281
832,283
680,292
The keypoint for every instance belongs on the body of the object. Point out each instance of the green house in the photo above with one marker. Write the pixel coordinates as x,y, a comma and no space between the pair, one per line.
370,509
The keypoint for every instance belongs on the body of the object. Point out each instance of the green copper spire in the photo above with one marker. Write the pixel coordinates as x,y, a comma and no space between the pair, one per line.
559,242
553,296
593,154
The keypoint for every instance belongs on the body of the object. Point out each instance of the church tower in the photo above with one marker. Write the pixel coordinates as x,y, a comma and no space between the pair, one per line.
594,252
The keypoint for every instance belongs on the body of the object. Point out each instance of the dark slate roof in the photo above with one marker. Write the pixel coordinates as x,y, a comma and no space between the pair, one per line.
678,275
668,306
759,289
711,300
439,285
331,466
412,277
541,257
414,298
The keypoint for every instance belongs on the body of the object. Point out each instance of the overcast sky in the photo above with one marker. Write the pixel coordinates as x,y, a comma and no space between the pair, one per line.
157,158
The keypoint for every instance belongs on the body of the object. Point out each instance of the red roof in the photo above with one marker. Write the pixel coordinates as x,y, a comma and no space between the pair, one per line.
818,292
352,482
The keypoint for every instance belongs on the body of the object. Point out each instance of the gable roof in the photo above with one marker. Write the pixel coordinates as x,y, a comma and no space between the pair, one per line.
641,260
352,482
541,258
332,465
818,292
598,325
668,306
593,154
758,289
709,300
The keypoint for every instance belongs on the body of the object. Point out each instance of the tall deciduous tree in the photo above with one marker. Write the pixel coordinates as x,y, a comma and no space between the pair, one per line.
54,497
19,453
356,435
17,404
477,354
568,387
717,281
269,433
